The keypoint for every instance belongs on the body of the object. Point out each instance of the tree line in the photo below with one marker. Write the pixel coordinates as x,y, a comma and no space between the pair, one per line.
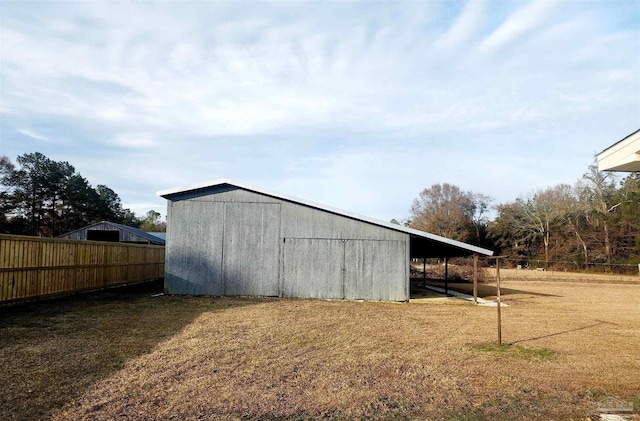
594,221
43,197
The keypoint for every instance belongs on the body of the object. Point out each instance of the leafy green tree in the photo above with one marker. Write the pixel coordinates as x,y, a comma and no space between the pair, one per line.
47,198
152,222
6,199
108,206
35,188
129,218
80,205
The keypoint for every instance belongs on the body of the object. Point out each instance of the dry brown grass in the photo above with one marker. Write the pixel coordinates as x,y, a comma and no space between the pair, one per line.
561,275
131,356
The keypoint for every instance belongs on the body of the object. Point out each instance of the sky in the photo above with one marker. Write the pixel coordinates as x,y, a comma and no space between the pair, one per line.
356,105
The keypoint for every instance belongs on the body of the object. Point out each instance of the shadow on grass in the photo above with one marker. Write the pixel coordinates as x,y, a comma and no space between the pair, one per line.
564,332
52,351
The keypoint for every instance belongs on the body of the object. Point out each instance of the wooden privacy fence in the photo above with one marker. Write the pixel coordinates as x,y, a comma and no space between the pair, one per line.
32,267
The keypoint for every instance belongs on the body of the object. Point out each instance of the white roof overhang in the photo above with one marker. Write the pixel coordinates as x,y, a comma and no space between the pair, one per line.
622,156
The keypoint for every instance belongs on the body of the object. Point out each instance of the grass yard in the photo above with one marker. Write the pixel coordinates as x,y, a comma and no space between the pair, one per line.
122,354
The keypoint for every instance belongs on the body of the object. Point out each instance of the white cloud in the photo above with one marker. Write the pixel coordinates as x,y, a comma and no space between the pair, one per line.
355,106
466,26
530,17
33,135
135,141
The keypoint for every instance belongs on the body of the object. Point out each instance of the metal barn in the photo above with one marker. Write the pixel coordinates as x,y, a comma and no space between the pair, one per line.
113,232
228,238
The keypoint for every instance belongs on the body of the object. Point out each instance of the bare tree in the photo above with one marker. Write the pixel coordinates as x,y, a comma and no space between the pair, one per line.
594,221
598,192
481,205
574,215
534,218
445,210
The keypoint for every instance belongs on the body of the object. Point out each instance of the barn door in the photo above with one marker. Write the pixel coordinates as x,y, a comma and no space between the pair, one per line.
251,248
344,269
194,254
375,270
313,268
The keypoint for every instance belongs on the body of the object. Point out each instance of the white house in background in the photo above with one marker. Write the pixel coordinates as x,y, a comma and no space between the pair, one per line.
622,156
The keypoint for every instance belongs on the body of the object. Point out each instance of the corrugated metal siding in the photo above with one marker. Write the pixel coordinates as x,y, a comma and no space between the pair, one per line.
375,270
268,246
251,249
194,250
300,221
313,268
305,222
128,237
225,194
344,269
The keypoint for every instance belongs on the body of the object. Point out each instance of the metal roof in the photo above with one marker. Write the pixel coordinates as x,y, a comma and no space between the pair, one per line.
468,248
160,235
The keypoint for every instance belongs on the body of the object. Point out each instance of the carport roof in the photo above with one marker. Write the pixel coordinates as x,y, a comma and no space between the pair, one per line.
423,244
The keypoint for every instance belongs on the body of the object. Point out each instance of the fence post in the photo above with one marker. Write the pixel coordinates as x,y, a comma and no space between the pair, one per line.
498,302
446,276
475,278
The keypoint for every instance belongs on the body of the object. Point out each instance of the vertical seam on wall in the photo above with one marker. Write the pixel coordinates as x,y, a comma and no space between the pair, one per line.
344,266
282,246
407,273
262,249
223,278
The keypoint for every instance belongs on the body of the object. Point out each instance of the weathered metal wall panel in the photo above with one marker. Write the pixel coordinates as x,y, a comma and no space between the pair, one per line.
375,270
225,194
345,269
129,237
194,248
251,249
313,268
299,221
297,251
304,222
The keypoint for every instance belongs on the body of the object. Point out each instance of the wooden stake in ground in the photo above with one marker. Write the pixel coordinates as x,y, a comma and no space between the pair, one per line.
475,279
446,276
498,301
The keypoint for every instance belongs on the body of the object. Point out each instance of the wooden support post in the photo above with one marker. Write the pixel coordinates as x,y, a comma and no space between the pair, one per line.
424,272
475,278
498,301
446,276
